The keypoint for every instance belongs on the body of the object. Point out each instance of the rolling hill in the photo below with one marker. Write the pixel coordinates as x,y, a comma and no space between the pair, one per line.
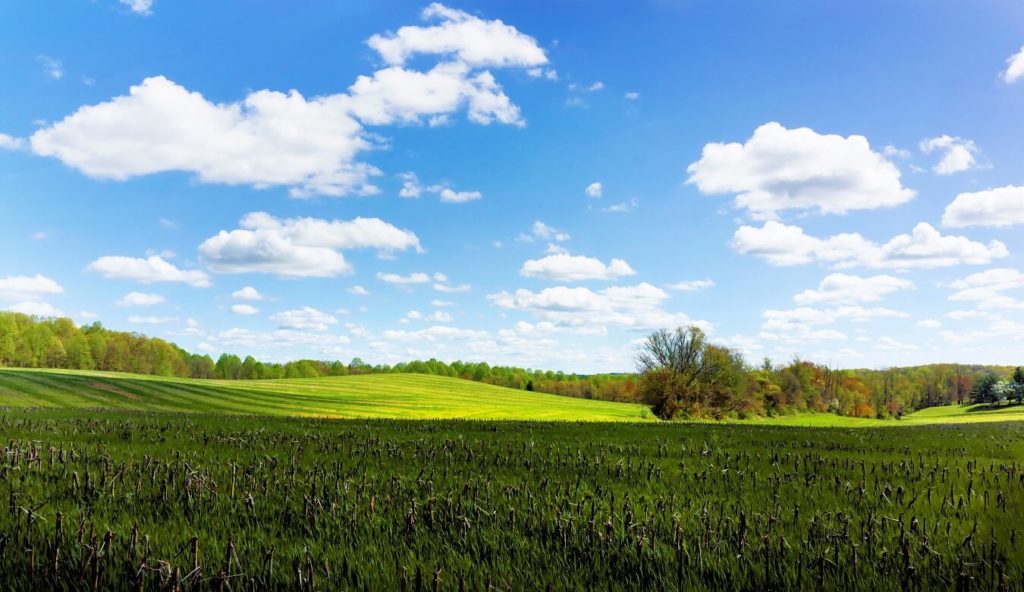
399,396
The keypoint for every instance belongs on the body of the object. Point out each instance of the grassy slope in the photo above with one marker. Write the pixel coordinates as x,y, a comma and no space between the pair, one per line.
401,396
406,396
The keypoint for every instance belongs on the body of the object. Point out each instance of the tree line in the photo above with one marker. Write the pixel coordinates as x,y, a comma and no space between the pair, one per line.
680,373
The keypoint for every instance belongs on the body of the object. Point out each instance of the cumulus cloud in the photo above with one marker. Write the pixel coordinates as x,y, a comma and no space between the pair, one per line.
780,169
300,247
634,307
147,271
358,290
988,288
30,288
844,288
692,285
304,319
449,195
244,309
1014,67
957,153
140,299
11,143
310,145
26,295
1000,207
403,280
593,190
572,268
37,309
469,39
411,188
541,231
632,96
247,293
805,324
781,244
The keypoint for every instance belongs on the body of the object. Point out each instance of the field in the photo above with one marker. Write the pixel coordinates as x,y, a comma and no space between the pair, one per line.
407,396
128,501
119,482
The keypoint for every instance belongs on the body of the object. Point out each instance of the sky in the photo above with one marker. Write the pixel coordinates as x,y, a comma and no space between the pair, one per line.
538,184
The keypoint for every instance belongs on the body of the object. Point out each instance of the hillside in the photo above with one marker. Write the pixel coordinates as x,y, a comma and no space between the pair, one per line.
399,396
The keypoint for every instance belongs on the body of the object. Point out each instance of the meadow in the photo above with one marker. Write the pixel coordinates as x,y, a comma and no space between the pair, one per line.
121,482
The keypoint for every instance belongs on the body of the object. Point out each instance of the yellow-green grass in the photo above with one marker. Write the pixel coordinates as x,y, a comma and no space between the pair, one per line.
399,396
947,414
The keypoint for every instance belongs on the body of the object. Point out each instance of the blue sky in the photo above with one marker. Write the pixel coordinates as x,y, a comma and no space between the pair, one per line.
537,184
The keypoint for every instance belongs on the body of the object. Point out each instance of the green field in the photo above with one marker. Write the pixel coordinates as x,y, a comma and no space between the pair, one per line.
405,396
394,396
128,500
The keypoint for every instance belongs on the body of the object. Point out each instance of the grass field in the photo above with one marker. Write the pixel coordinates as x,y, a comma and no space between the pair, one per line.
403,396
127,500
394,396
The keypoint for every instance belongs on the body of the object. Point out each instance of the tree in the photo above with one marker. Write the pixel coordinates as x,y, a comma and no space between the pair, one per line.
678,367
984,390
1018,384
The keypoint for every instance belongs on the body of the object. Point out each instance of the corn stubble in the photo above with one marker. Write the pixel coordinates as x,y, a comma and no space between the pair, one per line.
160,502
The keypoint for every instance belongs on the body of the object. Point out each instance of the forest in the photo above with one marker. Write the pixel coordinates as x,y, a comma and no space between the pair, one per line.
718,383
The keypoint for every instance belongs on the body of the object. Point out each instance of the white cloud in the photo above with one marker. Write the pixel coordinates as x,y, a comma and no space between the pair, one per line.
1014,67
1000,207
268,139
988,288
441,303
434,333
572,268
632,96
244,309
38,309
781,169
141,299
167,224
593,190
958,153
596,86
29,288
410,185
53,68
300,247
278,139
403,280
692,285
469,39
412,188
576,102
781,244
247,293
138,320
451,196
895,152
542,231
147,271
844,288
144,7
304,319
358,290
11,143
635,307
804,324
928,324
